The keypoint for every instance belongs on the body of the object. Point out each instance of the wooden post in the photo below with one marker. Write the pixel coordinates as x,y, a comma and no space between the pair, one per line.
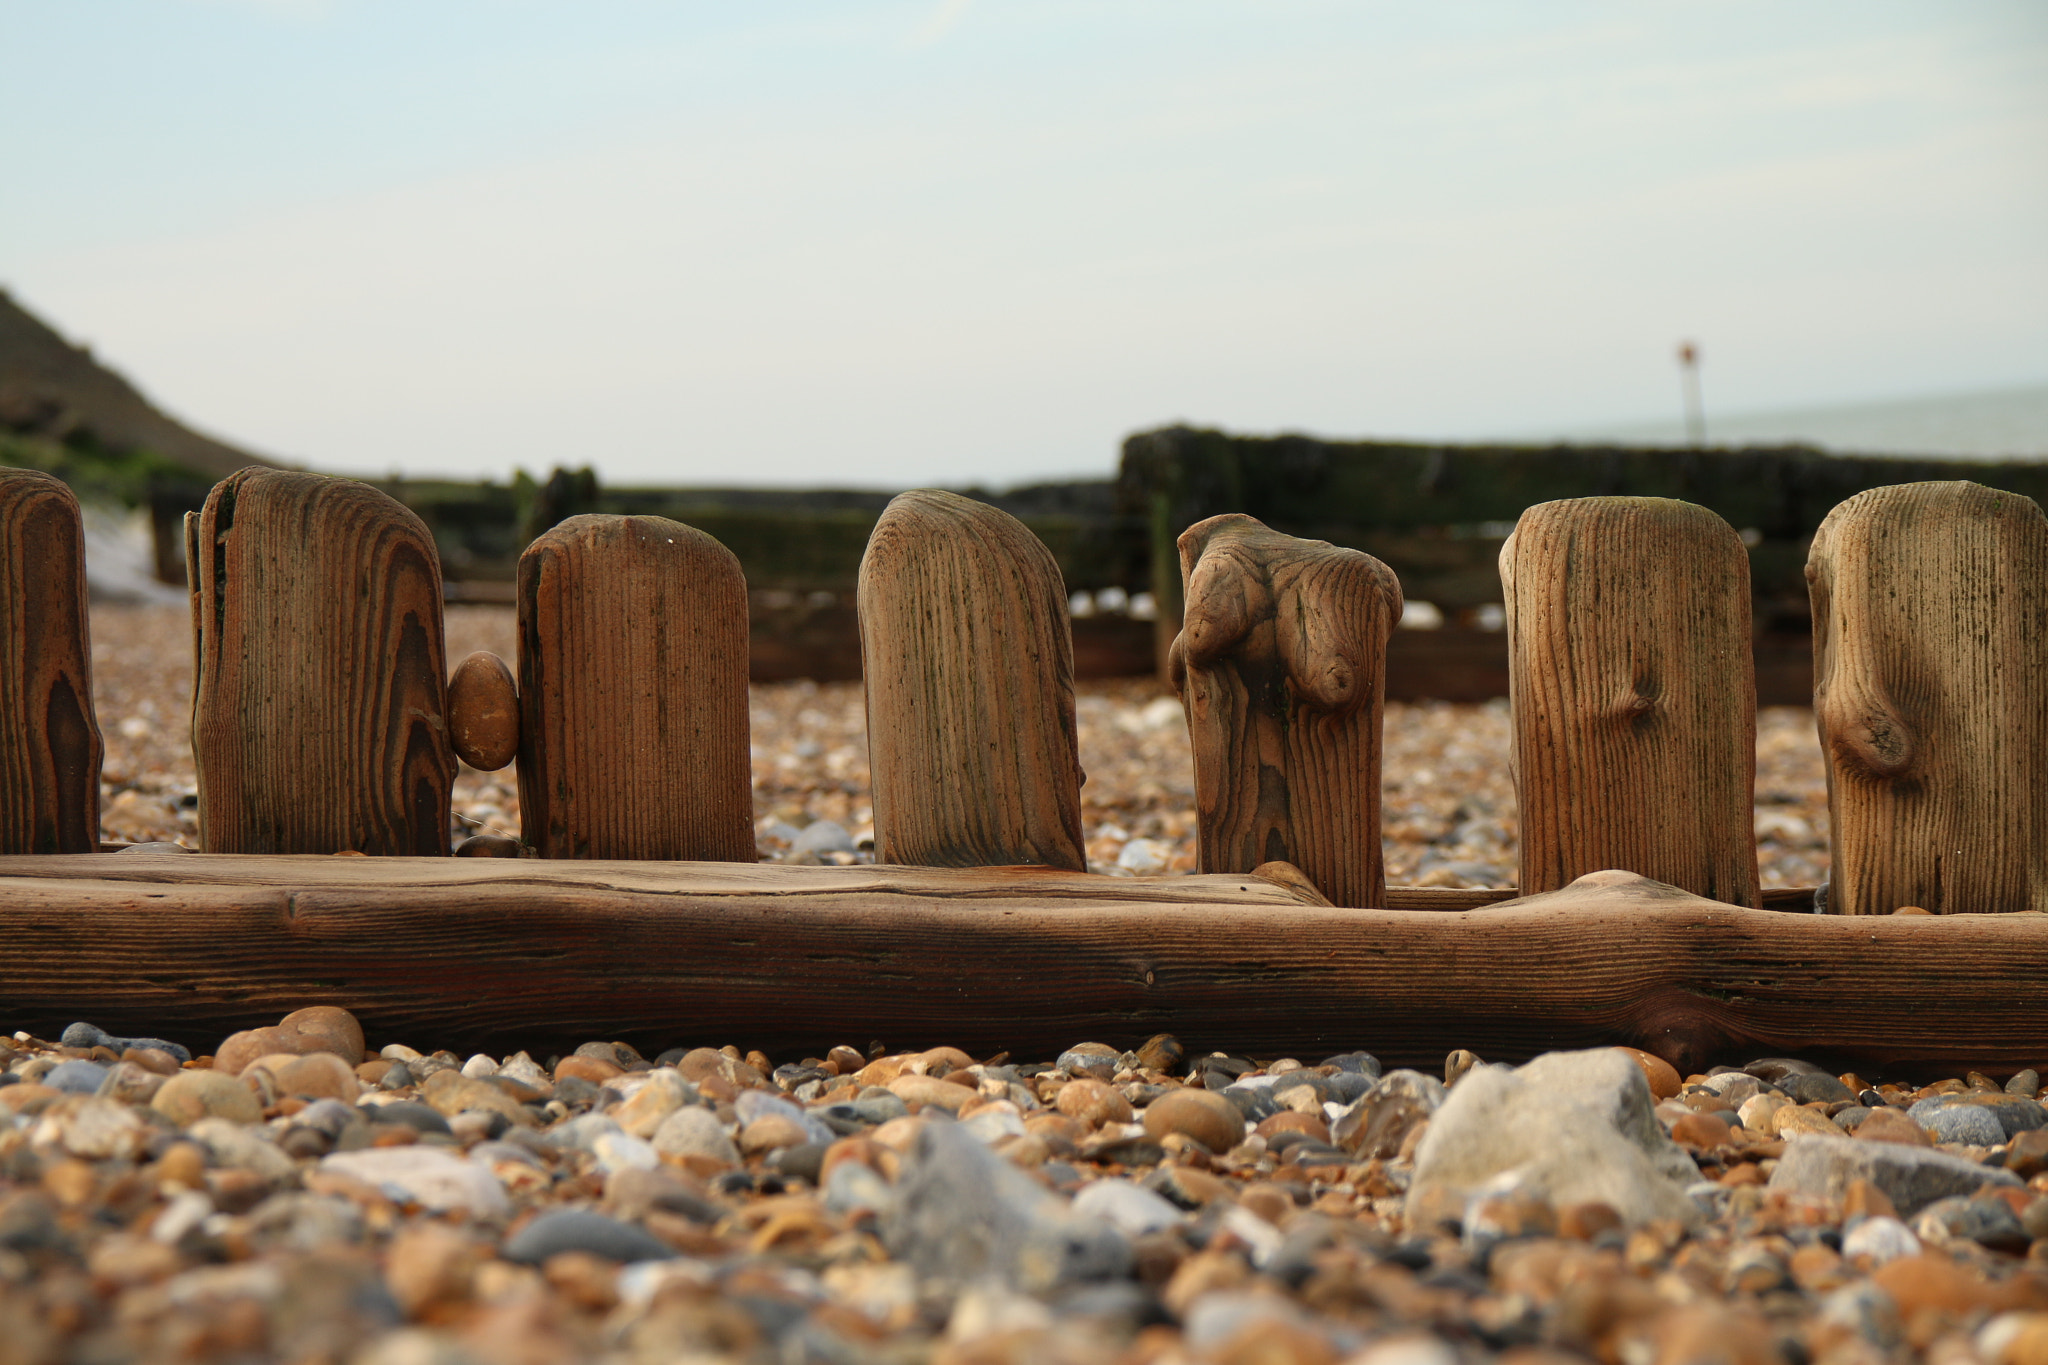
633,693
319,710
49,739
1281,666
970,689
1930,637
1634,695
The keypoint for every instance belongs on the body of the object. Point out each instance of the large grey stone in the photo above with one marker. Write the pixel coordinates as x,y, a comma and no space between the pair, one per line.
963,1214
2014,1114
1911,1177
1570,1127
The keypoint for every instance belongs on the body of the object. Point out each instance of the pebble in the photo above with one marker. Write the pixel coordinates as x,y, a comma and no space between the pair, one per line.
693,1132
193,1095
88,1036
429,1176
1203,1115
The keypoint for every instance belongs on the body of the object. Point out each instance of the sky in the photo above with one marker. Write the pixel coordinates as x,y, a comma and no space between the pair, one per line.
960,241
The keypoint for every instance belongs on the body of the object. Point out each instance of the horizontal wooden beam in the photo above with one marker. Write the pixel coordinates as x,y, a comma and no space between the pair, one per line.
524,953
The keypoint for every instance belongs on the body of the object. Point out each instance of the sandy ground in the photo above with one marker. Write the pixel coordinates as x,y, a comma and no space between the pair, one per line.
1449,817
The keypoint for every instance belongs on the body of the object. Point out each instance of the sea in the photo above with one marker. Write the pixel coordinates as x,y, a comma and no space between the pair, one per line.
1991,424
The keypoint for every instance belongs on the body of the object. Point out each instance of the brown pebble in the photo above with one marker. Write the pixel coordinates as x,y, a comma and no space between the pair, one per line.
846,1059
2028,1154
1294,1121
1911,910
152,1059
183,1163
1892,1125
1268,1201
429,1265
1162,1052
1203,1115
1702,1131
483,712
1662,1076
912,1088
317,1075
490,846
193,1095
71,1182
1093,1102
770,1131
1863,1199
596,1070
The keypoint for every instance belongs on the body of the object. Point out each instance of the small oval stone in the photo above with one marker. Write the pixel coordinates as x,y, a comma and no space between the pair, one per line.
483,712
1203,1115
1093,1102
193,1095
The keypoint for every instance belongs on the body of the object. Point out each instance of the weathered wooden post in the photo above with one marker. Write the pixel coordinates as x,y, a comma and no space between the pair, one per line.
970,689
1634,695
1281,665
49,740
319,711
633,693
1930,638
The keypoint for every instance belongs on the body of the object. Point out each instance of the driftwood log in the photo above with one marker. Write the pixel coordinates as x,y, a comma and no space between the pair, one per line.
1930,637
633,693
549,955
319,706
973,752
1633,694
1280,664
49,738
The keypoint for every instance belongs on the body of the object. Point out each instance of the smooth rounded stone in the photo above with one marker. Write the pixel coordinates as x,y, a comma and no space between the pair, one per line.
581,1133
843,1119
561,1230
1097,1060
430,1176
1129,1208
193,1095
88,1036
1162,1052
1987,1222
1776,1069
1759,1113
1093,1102
631,1195
805,1161
314,1075
771,1132
660,1094
76,1077
2015,1114
479,1066
1663,1078
317,1028
1911,1177
852,1187
421,1118
483,712
1206,1116
2014,1339
694,1132
1379,1121
2026,1084
451,1092
1572,1127
624,1152
1816,1088
1797,1121
131,1084
1972,1124
930,1091
1877,1240
1253,1103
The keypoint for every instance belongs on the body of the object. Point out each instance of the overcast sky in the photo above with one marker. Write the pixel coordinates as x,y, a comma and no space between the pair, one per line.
899,243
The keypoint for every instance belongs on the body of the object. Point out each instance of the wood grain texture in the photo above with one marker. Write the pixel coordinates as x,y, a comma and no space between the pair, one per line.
1281,666
972,748
633,693
1633,694
49,737
519,953
1930,634
483,712
319,711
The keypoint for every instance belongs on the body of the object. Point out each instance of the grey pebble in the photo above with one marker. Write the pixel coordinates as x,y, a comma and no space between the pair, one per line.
2027,1084
89,1035
560,1230
1988,1222
76,1077
1815,1087
1967,1123
421,1118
